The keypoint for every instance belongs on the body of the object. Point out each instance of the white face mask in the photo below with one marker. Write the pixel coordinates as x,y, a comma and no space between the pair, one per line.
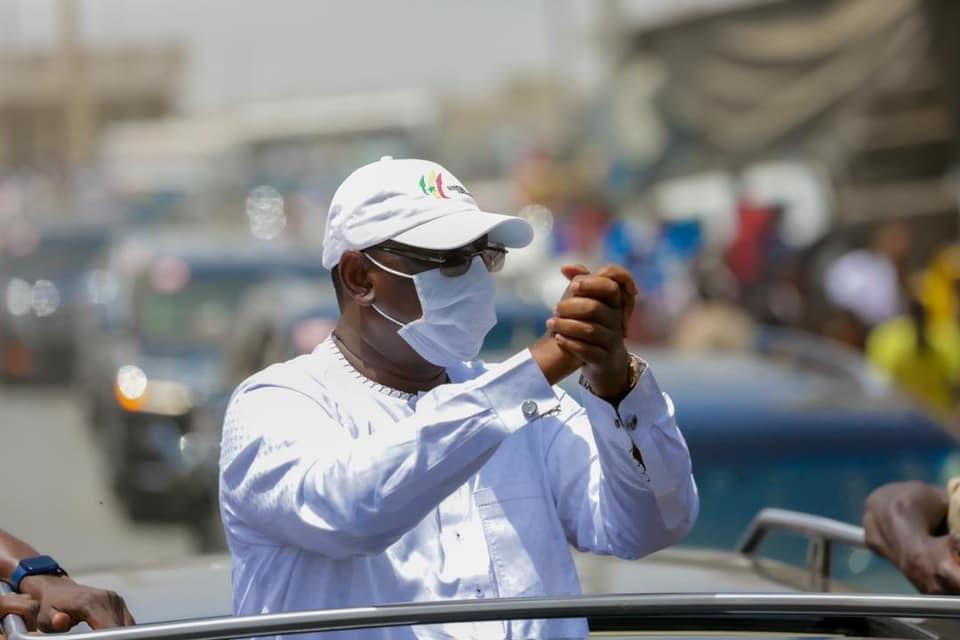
457,313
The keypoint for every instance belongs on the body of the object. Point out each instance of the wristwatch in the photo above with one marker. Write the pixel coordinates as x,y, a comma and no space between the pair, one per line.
637,367
37,566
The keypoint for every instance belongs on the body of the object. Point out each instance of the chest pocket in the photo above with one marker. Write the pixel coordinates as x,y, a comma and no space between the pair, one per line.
527,547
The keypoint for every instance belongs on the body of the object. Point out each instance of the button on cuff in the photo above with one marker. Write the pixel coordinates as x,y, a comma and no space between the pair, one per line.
520,394
529,409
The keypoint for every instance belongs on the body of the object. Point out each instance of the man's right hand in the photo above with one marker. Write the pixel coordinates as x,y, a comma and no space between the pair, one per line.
556,362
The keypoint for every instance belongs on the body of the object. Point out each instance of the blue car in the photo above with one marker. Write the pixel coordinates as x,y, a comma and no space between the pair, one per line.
796,424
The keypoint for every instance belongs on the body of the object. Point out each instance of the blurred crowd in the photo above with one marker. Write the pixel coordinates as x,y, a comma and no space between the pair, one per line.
869,288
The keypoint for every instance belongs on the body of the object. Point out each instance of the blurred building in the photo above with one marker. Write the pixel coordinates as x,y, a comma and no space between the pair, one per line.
866,90
54,105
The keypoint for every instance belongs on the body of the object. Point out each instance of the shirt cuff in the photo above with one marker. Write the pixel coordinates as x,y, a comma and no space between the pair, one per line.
631,423
517,390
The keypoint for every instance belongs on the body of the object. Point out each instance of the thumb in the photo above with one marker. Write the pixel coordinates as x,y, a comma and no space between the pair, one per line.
571,271
61,621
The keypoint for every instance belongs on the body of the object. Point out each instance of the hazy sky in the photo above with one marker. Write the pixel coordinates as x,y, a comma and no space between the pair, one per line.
262,49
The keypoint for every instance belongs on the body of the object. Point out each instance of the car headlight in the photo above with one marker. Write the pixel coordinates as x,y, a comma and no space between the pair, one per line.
138,394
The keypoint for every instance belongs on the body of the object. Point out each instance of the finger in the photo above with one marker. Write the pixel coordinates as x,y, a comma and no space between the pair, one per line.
102,615
629,286
22,605
619,275
577,308
122,616
588,332
45,618
948,577
590,354
601,288
570,270
61,621
110,610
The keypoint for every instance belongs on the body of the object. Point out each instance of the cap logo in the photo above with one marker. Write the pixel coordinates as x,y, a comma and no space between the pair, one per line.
432,185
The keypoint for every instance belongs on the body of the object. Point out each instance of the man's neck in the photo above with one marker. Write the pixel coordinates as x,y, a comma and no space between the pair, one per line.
372,362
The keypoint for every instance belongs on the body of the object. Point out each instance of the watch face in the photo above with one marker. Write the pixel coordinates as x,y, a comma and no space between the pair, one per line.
40,564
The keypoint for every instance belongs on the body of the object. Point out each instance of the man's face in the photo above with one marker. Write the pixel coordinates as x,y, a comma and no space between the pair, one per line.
398,295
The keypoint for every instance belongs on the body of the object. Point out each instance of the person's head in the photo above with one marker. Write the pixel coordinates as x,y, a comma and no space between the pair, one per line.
893,240
410,254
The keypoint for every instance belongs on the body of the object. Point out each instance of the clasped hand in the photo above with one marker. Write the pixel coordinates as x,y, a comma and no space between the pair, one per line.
589,324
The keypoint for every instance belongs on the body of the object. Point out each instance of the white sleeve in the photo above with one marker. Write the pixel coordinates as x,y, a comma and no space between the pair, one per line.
609,501
290,474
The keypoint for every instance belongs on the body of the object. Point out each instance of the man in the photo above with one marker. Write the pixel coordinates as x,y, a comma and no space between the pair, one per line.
46,598
391,466
906,523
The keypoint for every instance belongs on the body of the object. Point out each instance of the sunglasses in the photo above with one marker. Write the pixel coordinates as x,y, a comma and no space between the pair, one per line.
456,262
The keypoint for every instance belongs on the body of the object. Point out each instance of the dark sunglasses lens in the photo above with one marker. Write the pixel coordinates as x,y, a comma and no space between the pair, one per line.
494,259
455,267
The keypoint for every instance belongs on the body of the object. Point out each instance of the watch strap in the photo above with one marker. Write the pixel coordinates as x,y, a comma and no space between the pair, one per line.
36,566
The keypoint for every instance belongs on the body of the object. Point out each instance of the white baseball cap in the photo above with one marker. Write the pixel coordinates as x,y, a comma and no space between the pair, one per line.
413,202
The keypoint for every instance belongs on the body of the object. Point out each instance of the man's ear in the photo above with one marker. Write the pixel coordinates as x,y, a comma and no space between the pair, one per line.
355,278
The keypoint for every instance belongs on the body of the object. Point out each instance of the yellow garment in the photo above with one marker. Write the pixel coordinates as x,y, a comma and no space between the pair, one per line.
928,374
937,286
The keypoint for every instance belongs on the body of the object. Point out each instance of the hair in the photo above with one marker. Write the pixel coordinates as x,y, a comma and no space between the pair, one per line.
337,286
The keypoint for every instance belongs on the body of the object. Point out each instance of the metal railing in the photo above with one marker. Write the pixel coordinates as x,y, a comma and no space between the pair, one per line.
821,534
638,612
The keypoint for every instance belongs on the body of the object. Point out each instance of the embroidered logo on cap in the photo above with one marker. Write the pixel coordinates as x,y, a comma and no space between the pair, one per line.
433,186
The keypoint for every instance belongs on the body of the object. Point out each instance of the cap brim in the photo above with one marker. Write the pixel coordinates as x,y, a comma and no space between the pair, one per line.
462,228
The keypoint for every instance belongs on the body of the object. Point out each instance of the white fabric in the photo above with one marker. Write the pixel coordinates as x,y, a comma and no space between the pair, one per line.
336,494
866,284
415,202
456,313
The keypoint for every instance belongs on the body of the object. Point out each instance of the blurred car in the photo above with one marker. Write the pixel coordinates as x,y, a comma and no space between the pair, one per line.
158,352
795,423
43,277
677,593
276,321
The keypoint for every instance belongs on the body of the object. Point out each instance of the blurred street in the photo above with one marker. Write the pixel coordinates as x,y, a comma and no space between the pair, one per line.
780,179
46,425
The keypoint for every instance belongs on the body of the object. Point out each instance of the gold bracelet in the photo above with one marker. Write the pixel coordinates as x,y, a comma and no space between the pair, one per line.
637,367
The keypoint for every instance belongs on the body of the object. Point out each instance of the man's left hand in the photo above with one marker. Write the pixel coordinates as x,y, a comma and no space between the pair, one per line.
590,323
63,603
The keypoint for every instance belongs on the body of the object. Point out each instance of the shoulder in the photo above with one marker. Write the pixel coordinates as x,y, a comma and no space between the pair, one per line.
295,387
286,402
306,374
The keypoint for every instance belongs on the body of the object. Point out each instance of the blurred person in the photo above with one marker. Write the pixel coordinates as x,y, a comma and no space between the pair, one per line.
392,466
906,523
869,281
46,598
748,254
921,356
940,283
716,321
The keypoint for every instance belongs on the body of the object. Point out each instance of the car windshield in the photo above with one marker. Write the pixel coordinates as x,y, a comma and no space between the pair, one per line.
199,313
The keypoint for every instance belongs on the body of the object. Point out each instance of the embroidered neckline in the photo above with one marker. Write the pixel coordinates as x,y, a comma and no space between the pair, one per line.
376,386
